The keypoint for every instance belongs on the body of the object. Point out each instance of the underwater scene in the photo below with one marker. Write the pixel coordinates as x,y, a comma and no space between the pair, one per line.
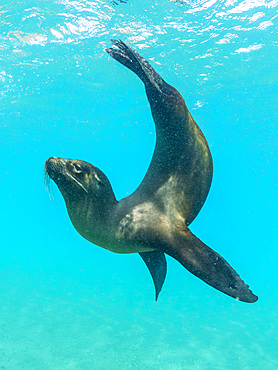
68,303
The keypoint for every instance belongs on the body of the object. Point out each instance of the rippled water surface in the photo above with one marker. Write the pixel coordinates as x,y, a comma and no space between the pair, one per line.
67,304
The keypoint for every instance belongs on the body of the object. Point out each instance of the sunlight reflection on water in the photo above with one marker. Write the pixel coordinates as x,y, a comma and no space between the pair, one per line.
196,30
69,21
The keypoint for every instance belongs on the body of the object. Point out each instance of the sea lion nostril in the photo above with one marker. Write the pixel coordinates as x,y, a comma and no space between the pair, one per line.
51,161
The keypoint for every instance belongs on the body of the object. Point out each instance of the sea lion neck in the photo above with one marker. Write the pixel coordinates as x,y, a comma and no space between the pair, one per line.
91,214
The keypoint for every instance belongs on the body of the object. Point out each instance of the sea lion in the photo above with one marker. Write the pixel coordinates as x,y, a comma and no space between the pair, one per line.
154,219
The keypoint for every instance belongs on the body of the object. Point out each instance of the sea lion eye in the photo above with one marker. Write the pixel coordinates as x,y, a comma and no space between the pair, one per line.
77,167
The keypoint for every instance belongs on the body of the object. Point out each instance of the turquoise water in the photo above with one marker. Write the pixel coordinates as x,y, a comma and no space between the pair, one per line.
67,304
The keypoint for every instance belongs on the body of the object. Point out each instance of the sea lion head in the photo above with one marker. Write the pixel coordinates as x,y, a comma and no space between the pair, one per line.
88,195
77,179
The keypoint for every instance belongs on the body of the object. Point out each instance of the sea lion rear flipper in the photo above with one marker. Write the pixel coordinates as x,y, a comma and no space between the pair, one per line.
209,266
157,265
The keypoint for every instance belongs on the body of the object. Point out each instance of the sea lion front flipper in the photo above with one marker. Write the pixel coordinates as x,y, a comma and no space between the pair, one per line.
139,65
157,265
181,164
209,266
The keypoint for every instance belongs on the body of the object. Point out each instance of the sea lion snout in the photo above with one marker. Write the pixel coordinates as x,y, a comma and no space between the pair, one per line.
52,159
53,166
67,173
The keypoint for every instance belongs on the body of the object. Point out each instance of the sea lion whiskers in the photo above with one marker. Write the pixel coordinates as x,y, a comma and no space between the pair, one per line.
47,183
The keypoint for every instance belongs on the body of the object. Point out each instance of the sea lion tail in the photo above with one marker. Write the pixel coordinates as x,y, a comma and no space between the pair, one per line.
209,266
136,63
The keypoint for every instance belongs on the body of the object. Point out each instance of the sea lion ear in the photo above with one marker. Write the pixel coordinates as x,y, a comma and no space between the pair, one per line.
99,181
97,178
